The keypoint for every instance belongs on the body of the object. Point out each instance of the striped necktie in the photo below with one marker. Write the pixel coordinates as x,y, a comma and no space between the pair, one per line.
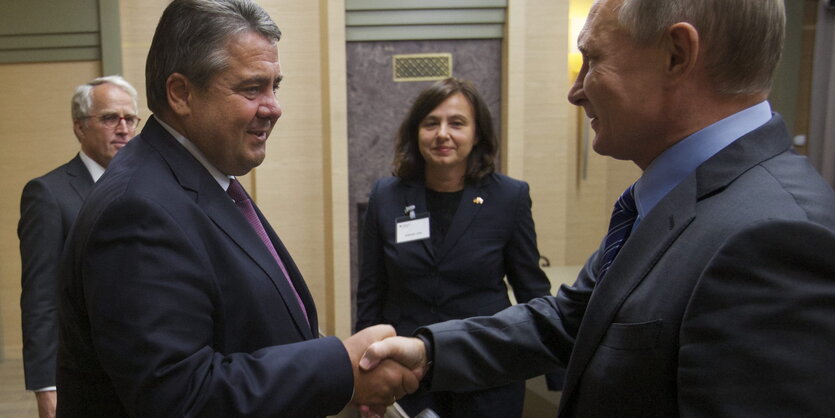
623,218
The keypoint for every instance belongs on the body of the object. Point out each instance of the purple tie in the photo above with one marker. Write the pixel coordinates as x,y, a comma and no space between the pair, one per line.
242,201
623,218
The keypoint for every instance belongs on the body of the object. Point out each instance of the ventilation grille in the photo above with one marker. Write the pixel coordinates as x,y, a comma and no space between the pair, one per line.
422,67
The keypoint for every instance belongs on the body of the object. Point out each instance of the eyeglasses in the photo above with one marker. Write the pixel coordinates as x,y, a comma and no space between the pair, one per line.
111,120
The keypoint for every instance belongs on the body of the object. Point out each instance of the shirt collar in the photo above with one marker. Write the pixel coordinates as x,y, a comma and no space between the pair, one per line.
95,169
681,159
222,179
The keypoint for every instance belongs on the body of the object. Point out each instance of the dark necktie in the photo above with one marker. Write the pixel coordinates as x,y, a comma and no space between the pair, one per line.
244,204
623,218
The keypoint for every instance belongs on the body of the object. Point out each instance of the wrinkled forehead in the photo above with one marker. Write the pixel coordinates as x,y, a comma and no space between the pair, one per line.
112,98
602,22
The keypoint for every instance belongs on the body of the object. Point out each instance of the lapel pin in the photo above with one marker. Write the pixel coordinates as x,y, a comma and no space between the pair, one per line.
478,200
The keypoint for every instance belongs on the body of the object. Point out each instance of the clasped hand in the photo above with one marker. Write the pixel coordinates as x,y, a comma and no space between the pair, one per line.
386,367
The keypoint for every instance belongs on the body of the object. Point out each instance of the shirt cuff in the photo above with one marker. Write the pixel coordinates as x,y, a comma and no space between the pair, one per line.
426,337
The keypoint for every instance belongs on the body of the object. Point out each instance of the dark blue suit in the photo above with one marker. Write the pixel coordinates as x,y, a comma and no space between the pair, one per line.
413,284
48,208
172,306
720,304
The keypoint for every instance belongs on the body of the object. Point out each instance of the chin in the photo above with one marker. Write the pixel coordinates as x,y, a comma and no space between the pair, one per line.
241,167
598,146
254,162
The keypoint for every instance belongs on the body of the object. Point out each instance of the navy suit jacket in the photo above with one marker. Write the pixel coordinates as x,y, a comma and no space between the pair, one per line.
721,303
48,208
172,306
410,284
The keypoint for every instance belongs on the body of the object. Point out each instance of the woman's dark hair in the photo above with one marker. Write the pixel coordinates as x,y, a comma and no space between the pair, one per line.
408,161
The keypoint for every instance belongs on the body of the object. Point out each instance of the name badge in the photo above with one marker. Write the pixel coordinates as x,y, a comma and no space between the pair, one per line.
412,228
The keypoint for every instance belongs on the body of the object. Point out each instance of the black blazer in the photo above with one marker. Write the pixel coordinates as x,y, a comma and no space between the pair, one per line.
720,304
48,208
410,284
172,306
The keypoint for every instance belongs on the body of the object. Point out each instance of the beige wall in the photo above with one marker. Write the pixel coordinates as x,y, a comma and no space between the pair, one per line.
571,213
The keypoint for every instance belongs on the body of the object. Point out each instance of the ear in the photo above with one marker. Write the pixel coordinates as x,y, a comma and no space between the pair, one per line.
681,44
178,92
77,129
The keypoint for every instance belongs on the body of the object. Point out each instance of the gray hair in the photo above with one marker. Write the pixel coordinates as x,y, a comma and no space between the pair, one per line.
82,99
190,39
744,38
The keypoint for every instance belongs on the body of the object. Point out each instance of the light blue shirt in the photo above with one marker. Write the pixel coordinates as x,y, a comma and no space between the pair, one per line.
678,161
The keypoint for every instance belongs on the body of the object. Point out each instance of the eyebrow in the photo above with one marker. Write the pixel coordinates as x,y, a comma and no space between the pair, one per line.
261,80
453,116
105,112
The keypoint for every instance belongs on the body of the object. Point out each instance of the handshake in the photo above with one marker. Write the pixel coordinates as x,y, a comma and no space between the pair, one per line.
386,367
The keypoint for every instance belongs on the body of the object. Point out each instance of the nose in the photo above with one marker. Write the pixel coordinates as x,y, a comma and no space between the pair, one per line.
269,108
443,131
122,126
576,94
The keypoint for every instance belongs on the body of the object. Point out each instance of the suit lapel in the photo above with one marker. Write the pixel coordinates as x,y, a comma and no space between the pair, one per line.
217,205
298,283
79,177
415,194
220,208
464,216
641,252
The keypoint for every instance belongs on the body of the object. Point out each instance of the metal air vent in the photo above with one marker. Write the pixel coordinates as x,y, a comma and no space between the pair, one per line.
422,67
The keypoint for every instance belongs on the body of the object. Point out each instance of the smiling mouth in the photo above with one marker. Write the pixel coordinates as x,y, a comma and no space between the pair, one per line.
261,129
261,135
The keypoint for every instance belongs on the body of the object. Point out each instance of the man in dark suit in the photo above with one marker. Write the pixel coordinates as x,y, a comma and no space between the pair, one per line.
104,116
178,298
721,301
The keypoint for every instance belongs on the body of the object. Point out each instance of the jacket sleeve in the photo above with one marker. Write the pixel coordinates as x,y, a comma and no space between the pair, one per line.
373,283
758,335
521,254
41,241
520,342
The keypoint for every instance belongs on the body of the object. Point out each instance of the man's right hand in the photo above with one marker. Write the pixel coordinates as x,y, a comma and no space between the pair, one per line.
47,400
410,352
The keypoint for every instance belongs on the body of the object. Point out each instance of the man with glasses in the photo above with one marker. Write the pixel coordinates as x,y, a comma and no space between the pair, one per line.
104,114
